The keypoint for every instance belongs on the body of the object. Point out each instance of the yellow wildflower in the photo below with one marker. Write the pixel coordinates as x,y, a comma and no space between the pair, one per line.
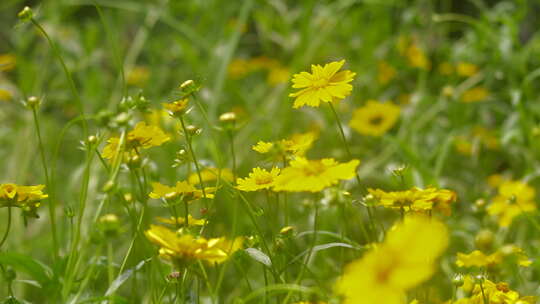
486,291
416,199
211,174
480,259
142,136
5,95
375,118
258,179
513,199
476,94
494,180
28,198
238,68
180,220
278,75
324,83
314,175
386,73
177,107
184,189
263,147
138,76
463,145
7,62
417,58
405,259
297,144
184,248
466,69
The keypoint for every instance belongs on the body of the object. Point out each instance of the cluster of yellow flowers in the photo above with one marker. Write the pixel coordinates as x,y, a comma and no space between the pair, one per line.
415,199
295,145
479,259
28,198
482,291
513,198
184,190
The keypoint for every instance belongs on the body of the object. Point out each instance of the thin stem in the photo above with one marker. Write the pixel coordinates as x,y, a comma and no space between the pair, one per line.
52,201
233,154
8,227
193,157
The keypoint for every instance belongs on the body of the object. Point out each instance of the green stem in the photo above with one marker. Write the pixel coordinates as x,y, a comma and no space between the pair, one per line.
8,227
52,201
193,157
233,154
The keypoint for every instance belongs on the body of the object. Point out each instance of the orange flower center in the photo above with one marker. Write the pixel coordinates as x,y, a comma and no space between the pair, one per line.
263,180
314,168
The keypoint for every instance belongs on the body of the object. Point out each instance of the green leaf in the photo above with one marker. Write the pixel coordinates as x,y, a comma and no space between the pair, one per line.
259,256
20,262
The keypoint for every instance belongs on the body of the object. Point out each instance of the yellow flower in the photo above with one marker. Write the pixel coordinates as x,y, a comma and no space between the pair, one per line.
486,291
263,147
28,198
211,174
5,95
480,259
177,107
314,175
488,139
184,189
184,248
180,220
466,69
142,136
386,73
405,259
446,68
258,179
324,83
278,75
416,199
463,146
375,118
513,199
138,76
238,68
7,62
476,94
417,58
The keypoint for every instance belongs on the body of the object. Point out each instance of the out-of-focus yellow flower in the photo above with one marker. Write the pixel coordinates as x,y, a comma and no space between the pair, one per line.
5,95
183,248
177,107
386,73
463,146
513,199
183,189
263,147
28,198
258,179
494,180
488,139
142,136
480,259
476,94
405,259
181,220
416,199
484,291
278,75
446,68
324,83
211,174
448,91
314,175
238,68
466,69
138,76
375,118
7,62
417,57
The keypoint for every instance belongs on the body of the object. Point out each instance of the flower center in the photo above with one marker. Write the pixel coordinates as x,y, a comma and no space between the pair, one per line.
319,83
314,168
263,180
376,120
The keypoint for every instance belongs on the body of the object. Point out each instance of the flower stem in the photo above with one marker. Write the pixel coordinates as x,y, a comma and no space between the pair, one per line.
52,201
233,154
193,157
8,227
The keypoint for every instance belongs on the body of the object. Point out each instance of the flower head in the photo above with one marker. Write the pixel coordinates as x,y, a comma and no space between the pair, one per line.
314,175
476,94
184,248
479,259
416,199
375,118
181,220
28,198
297,144
177,107
324,83
513,199
405,259
258,179
184,189
142,136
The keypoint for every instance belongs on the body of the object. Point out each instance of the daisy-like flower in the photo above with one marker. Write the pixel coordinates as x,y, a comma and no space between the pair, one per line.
258,179
182,188
416,199
466,69
324,83
375,118
476,94
297,144
142,136
485,291
405,259
181,220
183,248
479,259
314,175
513,199
177,107
28,198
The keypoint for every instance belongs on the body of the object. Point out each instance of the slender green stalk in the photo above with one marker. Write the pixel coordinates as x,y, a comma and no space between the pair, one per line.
233,154
8,228
193,157
52,201
110,267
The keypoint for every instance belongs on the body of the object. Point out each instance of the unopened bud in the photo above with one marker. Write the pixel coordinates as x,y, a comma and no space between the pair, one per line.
109,185
128,197
484,240
26,14
33,102
193,130
91,139
228,117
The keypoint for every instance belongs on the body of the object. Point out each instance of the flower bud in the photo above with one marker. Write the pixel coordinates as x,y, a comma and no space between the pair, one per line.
26,14
134,161
458,280
193,130
33,102
128,197
109,185
228,117
92,139
484,240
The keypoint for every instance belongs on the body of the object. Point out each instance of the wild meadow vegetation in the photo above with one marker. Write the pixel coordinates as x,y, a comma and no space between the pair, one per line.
269,151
